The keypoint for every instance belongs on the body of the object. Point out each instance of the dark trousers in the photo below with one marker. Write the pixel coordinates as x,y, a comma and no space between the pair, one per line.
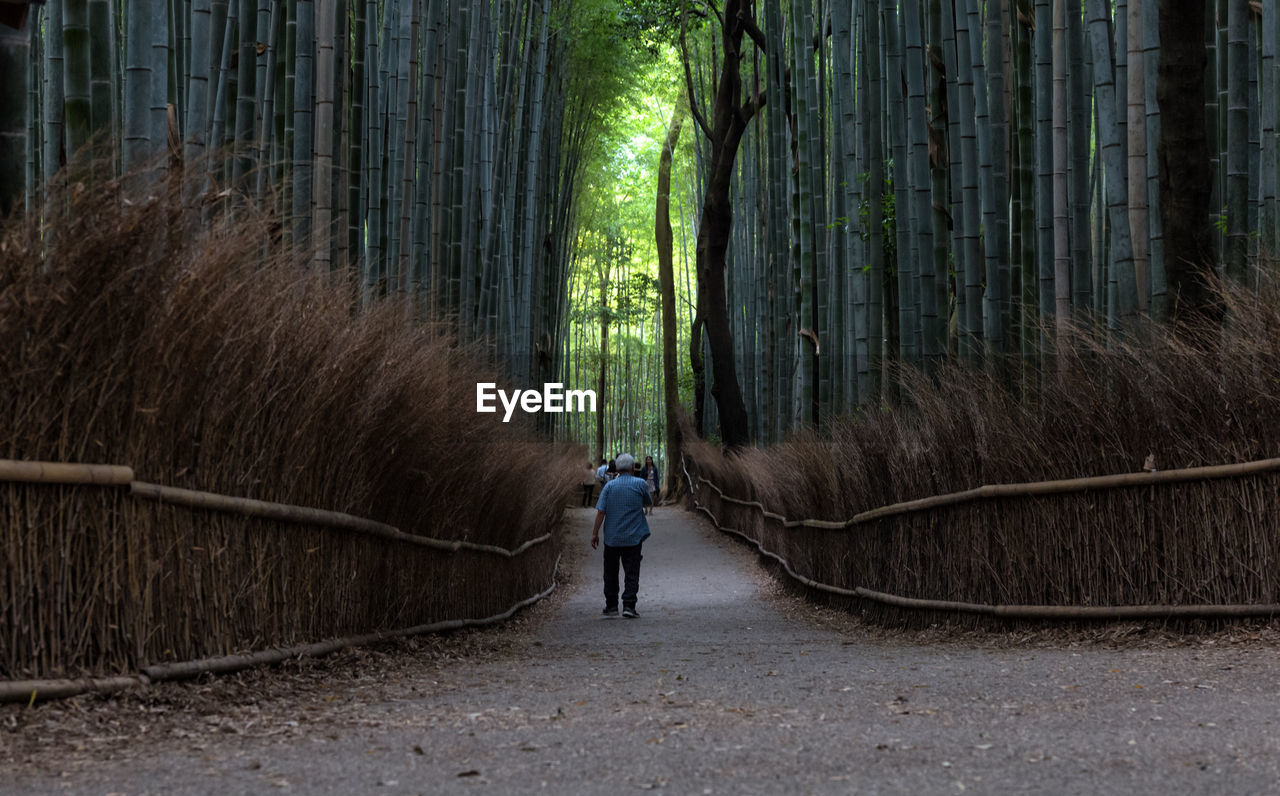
587,491
630,559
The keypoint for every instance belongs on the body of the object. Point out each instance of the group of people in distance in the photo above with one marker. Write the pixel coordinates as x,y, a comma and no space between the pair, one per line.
608,470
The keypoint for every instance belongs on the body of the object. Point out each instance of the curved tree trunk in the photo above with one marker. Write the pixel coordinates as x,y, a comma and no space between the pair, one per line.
697,363
729,119
713,242
666,277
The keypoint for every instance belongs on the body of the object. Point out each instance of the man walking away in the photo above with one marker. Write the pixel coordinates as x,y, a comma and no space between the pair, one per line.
620,510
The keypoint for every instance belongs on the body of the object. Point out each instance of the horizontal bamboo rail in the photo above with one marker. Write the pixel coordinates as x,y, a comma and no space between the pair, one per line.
34,690
1019,612
31,691
308,516
64,473
1030,489
113,475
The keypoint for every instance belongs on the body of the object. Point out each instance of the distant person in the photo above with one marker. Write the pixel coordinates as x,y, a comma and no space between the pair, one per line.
620,510
651,479
602,472
588,485
612,472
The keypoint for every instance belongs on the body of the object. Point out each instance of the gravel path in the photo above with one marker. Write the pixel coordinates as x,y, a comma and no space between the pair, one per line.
722,686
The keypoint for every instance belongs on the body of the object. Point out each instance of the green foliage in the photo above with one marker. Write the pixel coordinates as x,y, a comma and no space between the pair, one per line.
638,297
652,24
615,235
888,220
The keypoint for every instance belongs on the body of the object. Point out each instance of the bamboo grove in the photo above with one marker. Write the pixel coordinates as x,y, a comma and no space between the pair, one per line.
422,147
926,181
863,185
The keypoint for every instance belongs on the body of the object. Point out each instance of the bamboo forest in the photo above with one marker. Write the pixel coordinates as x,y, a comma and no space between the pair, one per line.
763,212
929,348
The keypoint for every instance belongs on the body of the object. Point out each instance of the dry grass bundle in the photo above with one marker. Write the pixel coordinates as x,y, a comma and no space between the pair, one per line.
1185,404
140,335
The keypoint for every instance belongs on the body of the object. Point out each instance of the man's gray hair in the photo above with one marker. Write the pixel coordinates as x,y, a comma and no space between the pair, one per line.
625,463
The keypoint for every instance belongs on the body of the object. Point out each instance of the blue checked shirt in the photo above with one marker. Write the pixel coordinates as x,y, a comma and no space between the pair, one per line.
623,500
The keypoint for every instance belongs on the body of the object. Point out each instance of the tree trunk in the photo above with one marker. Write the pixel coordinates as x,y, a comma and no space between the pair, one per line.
875,207
666,276
303,125
1120,255
1061,210
322,137
729,119
76,75
54,152
697,363
14,49
602,382
1185,175
144,77
1237,161
1136,131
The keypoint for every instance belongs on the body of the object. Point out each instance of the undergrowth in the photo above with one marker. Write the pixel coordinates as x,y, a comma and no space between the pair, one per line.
166,339
1107,406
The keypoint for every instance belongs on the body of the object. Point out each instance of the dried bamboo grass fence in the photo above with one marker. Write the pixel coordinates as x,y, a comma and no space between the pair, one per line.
236,574
898,551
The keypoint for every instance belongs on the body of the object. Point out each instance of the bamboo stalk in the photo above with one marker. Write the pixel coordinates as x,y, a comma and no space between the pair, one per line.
64,473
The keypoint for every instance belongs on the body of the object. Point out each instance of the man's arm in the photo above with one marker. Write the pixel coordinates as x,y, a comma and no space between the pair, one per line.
595,532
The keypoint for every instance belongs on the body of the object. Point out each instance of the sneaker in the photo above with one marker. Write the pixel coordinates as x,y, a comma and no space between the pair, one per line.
610,610
630,612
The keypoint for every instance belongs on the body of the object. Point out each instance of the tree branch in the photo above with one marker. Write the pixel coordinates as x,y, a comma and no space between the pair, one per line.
750,107
715,12
750,27
688,74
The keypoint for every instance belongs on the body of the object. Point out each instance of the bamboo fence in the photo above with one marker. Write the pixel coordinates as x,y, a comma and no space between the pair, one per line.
907,544
172,582
32,690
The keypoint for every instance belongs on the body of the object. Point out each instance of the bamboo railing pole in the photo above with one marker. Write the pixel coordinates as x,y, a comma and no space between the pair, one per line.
309,516
1070,485
114,475
64,473
1076,612
232,663
35,690
1068,613
1030,489
32,690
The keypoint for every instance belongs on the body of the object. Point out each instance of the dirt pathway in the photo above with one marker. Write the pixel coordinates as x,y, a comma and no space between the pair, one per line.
717,688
